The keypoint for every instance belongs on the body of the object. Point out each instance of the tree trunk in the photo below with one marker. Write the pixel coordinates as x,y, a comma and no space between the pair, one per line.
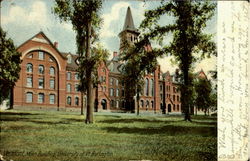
81,103
186,95
11,97
137,100
90,98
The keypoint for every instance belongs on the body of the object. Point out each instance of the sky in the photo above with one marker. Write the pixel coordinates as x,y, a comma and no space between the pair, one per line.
22,19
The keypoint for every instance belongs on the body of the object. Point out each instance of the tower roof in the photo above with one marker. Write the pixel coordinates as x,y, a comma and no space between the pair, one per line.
129,23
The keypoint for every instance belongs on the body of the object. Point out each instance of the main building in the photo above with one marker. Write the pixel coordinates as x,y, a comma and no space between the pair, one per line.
49,79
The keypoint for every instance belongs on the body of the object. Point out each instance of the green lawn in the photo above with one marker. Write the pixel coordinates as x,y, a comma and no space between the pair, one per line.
40,135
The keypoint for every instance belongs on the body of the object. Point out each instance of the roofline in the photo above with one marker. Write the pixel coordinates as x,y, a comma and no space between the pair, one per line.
41,32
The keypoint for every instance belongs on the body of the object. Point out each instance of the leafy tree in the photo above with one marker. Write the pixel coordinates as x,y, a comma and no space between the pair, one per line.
138,58
9,67
203,94
86,21
188,37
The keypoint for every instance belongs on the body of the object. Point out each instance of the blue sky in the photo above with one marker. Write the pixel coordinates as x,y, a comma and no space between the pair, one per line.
22,19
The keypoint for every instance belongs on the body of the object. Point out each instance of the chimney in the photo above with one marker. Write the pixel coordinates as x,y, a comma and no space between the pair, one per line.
56,44
115,54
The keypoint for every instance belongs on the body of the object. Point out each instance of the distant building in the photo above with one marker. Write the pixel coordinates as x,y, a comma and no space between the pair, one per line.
49,79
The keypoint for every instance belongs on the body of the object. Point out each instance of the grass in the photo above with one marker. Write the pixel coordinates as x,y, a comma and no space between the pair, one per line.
39,136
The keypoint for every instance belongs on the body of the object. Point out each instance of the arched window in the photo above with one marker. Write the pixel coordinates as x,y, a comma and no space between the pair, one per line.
40,98
111,81
152,87
147,87
147,104
68,87
117,92
69,57
52,99
112,103
142,103
68,76
29,97
111,92
152,104
69,100
41,69
29,68
178,108
76,101
117,104
52,71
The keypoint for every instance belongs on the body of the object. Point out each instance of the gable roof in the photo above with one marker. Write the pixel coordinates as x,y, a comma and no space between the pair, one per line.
73,65
46,39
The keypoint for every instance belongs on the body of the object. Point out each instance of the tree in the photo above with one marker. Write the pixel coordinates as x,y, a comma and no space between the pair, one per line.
138,58
9,67
188,37
203,94
85,18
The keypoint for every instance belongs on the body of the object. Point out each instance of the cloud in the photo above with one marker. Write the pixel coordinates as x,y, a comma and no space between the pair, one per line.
108,18
35,14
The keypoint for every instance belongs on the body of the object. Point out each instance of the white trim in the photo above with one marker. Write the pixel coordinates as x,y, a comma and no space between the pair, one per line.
40,40
44,49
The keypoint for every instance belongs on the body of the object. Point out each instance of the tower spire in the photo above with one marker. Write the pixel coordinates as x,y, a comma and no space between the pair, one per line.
129,23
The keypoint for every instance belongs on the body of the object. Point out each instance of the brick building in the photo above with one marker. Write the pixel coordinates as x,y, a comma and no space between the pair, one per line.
48,79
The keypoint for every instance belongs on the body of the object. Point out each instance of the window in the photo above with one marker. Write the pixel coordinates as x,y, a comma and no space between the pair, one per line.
51,59
52,71
174,107
41,55
29,68
104,89
146,87
104,71
123,93
117,104
29,82
76,101
161,96
41,69
111,92
68,75
30,56
111,81
152,87
52,83
69,59
52,99
69,100
40,98
29,97
117,92
177,107
77,87
174,97
68,87
178,98
112,103
76,76
142,103
161,87
41,83
117,82
152,104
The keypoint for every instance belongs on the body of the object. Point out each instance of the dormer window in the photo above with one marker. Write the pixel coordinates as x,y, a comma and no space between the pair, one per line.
69,57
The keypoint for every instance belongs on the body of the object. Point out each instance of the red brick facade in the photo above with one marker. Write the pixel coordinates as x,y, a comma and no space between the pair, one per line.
49,79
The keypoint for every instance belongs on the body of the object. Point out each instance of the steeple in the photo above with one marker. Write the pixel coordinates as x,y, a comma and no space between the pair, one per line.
129,33
129,23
